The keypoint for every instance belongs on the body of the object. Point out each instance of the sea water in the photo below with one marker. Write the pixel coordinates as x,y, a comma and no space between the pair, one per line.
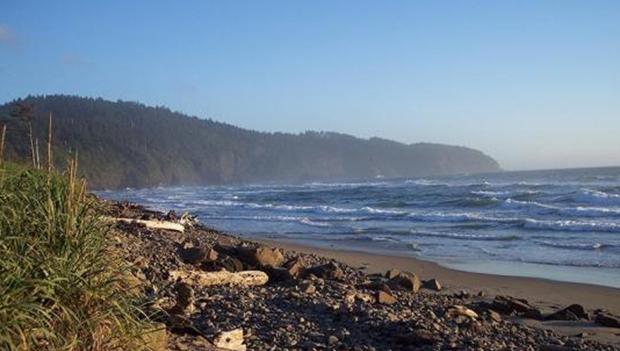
558,224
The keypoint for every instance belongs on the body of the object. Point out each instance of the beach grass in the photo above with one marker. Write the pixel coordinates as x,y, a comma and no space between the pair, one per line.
61,286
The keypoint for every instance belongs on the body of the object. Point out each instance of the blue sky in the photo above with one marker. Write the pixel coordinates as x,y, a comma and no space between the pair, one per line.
536,84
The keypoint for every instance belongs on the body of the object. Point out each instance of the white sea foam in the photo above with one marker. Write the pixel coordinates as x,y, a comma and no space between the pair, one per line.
572,225
597,197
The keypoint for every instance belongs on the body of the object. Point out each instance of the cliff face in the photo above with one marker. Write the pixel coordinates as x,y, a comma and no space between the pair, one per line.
124,144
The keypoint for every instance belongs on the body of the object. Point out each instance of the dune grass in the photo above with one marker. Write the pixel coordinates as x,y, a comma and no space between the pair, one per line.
61,288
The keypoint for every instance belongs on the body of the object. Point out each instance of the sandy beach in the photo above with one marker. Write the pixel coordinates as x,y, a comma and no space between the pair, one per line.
547,293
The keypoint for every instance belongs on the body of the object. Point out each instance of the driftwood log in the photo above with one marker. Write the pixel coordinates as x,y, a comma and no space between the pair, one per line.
223,277
152,224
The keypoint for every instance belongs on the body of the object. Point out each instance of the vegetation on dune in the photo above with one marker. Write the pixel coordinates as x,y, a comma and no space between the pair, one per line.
126,144
61,287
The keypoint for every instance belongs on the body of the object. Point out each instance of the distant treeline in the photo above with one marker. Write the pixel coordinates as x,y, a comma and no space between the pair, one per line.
127,144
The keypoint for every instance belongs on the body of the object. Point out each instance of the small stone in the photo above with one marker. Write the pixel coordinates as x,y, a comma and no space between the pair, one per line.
307,287
385,298
494,316
212,255
332,340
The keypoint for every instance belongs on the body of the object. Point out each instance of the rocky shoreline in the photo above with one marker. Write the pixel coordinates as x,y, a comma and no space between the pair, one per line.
214,291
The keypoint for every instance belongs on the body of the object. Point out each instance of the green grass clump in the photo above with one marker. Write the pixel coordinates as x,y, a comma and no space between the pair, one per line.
61,287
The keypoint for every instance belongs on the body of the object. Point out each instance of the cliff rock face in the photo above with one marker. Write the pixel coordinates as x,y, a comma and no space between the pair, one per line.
123,144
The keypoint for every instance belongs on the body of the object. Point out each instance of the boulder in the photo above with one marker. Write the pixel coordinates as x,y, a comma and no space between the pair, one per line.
607,320
230,340
385,298
261,256
432,284
406,280
326,271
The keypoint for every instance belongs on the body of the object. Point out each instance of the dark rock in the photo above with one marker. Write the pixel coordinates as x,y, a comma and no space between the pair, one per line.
326,271
607,320
562,315
229,263
378,286
192,255
432,284
295,267
278,274
578,311
385,298
508,305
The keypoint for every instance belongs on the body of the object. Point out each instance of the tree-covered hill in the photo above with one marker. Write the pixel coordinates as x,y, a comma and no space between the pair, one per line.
127,144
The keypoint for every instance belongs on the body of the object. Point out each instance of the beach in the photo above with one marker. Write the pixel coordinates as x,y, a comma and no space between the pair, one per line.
208,286
544,292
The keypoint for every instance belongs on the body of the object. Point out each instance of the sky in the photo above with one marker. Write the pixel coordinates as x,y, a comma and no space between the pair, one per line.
534,84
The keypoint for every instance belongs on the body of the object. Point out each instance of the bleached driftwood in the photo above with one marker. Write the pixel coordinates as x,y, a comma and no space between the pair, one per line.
458,310
230,340
223,277
153,224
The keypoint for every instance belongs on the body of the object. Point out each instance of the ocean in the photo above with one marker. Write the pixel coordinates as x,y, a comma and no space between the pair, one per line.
556,224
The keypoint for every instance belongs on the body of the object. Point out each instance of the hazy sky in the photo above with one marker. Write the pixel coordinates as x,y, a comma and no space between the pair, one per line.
535,84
